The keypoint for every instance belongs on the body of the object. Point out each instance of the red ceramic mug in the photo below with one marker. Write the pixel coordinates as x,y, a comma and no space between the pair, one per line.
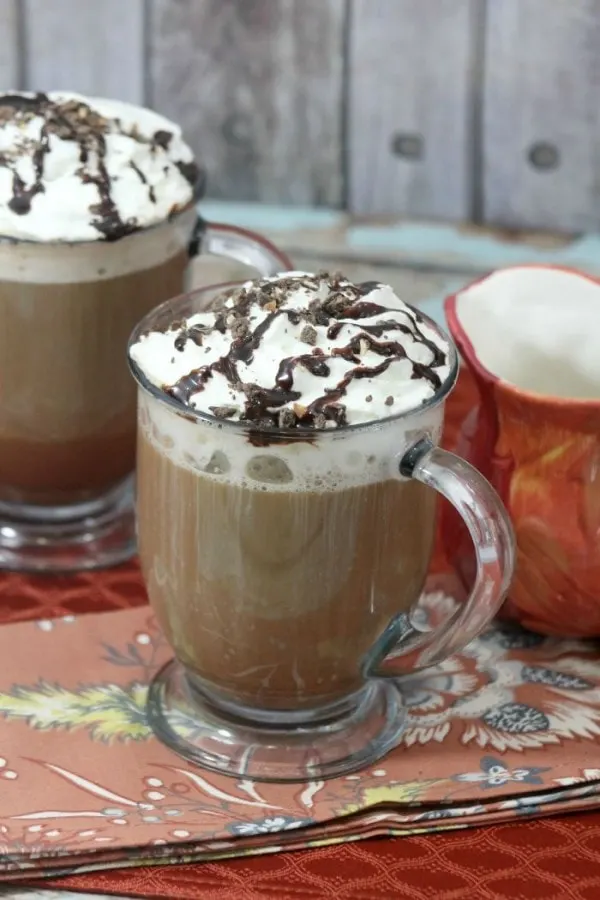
529,336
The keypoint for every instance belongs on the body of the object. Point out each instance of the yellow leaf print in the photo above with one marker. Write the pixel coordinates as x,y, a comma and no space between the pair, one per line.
109,712
399,792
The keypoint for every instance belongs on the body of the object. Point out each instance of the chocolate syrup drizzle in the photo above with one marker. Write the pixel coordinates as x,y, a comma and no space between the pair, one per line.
144,180
74,120
264,405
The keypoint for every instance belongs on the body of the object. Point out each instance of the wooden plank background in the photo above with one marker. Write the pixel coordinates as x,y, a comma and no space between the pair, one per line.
542,114
480,110
92,46
409,107
9,37
258,86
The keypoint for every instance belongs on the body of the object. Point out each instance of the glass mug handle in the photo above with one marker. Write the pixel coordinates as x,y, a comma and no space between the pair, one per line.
403,648
237,243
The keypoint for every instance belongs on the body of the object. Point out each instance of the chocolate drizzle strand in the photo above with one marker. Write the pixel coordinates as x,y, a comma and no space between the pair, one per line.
20,202
144,180
190,171
163,138
248,315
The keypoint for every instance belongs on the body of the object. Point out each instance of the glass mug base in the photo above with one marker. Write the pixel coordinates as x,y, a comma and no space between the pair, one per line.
330,741
80,537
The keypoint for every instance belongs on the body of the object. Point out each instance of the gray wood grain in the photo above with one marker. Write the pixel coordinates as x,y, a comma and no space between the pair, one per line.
92,47
9,41
410,72
542,86
258,88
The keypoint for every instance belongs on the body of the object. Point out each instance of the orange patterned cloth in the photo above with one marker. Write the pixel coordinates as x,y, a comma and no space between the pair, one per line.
507,727
553,858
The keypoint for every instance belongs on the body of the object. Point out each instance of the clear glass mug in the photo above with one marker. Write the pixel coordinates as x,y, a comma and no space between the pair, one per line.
67,404
285,570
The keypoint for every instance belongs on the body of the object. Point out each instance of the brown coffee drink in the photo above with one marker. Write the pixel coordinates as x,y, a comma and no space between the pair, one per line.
276,540
96,211
272,597
67,424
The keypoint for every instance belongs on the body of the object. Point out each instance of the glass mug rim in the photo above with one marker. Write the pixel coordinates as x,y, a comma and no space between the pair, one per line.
277,434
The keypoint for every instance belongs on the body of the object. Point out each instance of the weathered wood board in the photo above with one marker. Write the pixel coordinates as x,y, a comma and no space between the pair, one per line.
410,74
541,114
92,47
9,39
257,87
458,110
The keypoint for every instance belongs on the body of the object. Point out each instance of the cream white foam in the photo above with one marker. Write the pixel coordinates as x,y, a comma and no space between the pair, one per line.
334,461
61,212
38,263
398,389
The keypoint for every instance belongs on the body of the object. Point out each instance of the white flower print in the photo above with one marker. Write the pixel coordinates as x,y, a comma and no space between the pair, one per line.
586,775
268,825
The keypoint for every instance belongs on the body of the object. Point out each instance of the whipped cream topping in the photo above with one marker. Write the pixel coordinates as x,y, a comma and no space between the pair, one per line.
84,169
299,351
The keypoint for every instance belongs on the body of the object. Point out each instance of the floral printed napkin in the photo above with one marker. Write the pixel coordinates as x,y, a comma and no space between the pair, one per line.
510,726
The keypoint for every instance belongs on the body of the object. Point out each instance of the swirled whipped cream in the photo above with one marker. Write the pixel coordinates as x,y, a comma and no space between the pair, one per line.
299,351
83,169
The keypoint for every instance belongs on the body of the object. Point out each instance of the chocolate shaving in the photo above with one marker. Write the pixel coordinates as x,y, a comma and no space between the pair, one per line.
316,314
286,418
240,329
308,335
163,138
223,412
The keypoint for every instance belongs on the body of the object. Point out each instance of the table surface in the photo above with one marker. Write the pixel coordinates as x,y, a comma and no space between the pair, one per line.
422,262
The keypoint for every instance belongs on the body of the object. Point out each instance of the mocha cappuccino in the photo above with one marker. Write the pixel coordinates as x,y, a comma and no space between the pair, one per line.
276,541
96,210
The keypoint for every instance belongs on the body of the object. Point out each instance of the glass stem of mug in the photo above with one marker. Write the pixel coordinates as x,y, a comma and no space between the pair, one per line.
403,647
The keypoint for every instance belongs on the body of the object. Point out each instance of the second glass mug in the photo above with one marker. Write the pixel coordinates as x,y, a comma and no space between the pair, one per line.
285,570
67,404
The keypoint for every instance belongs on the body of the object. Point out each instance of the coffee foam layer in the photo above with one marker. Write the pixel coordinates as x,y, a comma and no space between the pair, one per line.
28,262
74,168
332,462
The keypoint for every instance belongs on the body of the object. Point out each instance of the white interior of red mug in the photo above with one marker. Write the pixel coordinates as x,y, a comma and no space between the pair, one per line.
536,327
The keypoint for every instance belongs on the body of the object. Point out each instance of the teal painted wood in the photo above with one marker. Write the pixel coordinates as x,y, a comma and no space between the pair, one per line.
268,217
449,246
405,243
